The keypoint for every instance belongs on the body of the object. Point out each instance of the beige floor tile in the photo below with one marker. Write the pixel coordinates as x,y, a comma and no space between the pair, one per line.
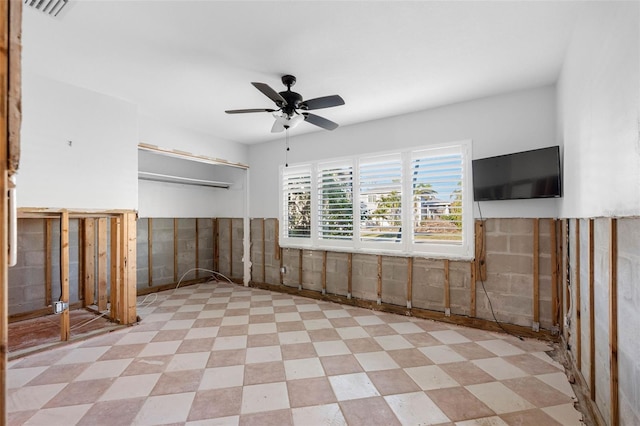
265,372
459,404
374,361
303,368
265,397
499,398
353,386
415,408
565,414
389,382
165,409
215,404
533,417
466,373
131,387
393,342
499,368
310,392
59,416
360,412
340,364
500,347
31,397
559,381
431,377
442,354
335,347
328,414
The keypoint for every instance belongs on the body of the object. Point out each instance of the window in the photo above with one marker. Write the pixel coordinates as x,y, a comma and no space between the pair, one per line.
411,202
296,190
335,201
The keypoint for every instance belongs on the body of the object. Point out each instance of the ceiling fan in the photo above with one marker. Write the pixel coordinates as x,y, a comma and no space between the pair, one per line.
292,109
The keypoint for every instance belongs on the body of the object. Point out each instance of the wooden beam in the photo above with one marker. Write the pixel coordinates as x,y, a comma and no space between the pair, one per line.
276,234
65,327
592,316
230,247
47,262
197,250
536,272
379,287
281,265
409,282
116,276
555,308
578,299
349,274
472,303
150,249
481,252
216,245
613,321
447,290
81,262
324,272
175,250
102,264
127,269
264,255
300,257
89,255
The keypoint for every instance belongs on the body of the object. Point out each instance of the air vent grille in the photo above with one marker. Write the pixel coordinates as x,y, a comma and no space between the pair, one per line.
50,7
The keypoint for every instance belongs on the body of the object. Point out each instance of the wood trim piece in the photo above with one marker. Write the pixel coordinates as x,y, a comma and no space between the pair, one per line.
555,309
47,263
409,282
379,286
300,258
150,250
89,255
197,249
127,269
102,264
536,271
472,302
276,236
114,285
613,321
188,156
230,247
175,250
216,245
481,252
592,317
447,290
324,272
65,327
578,299
14,83
264,255
349,274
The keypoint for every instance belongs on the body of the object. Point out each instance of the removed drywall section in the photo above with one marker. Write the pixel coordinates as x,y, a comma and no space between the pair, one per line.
79,148
230,247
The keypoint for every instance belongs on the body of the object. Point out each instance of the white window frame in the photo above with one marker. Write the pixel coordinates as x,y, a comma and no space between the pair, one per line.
462,250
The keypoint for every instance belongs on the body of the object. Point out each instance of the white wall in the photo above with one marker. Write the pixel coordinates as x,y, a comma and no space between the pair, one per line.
598,120
497,125
98,170
599,113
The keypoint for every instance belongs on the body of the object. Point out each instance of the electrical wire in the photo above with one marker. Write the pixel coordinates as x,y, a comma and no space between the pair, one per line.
215,273
484,288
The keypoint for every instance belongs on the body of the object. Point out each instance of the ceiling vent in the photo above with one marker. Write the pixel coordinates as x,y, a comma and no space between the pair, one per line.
50,7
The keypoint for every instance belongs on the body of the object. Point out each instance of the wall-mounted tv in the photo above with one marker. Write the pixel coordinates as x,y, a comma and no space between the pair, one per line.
528,174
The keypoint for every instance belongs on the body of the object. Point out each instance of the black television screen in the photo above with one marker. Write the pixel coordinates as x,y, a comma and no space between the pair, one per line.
528,174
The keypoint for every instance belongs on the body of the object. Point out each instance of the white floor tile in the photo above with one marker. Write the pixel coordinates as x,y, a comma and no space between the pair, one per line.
317,324
230,342
164,409
202,333
391,343
19,377
303,368
499,368
262,328
80,355
178,325
484,421
559,381
430,377
406,327
59,416
499,398
332,347
329,415
266,397
138,337
449,337
442,354
375,361
368,320
500,347
287,317
415,409
222,377
31,397
347,333
292,337
352,386
188,361
236,320
104,369
263,354
565,414
131,387
160,348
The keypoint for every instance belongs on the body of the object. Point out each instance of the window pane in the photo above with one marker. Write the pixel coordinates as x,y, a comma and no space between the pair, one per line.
297,198
437,196
335,202
381,198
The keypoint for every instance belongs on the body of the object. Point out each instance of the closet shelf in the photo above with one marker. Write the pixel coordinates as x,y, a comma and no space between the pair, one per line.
158,177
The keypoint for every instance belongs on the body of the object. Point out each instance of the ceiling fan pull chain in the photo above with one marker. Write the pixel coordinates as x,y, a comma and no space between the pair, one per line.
286,153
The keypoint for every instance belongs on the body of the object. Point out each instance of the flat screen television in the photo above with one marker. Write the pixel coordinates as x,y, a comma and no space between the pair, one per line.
528,174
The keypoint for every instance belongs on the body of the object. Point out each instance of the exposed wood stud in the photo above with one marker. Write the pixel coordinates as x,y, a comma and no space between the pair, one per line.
472,307
349,275
65,328
481,254
567,254
216,245
81,261
578,300
279,251
536,271
555,308
197,249
276,235
324,272
150,249
409,282
230,247
379,287
613,321
264,255
102,264
114,286
127,269
175,250
447,290
592,317
47,262
300,258
89,255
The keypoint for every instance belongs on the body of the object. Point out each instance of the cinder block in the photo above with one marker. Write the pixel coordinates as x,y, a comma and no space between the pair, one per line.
516,226
509,263
521,244
496,243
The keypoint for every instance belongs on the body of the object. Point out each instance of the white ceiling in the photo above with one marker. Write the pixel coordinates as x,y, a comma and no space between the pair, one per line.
185,62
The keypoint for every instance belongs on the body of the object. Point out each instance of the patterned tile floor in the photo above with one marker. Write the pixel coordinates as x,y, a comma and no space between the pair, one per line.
218,354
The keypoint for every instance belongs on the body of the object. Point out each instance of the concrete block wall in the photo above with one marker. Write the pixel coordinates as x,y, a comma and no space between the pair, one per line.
27,286
231,247
270,272
163,246
628,316
509,256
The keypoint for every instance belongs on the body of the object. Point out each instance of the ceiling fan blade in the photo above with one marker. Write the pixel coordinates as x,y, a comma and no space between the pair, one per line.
277,127
319,121
270,93
323,102
243,111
